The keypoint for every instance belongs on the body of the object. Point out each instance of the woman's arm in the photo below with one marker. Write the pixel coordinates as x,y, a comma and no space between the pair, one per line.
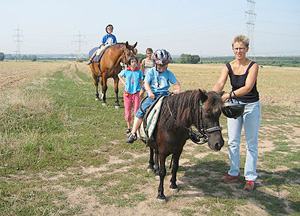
221,83
143,66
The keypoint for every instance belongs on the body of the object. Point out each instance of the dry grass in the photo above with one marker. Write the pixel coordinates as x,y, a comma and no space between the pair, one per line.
96,188
277,86
13,73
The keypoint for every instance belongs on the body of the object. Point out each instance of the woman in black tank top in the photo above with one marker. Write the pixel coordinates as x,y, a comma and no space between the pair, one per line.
242,73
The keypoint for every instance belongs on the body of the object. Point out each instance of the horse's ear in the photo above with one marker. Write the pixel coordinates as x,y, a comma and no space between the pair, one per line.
134,45
126,44
203,96
221,93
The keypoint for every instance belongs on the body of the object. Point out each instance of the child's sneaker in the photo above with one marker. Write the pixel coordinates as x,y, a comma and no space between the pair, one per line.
127,131
131,138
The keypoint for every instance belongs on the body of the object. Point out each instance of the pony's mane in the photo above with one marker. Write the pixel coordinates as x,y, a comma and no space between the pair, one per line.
183,108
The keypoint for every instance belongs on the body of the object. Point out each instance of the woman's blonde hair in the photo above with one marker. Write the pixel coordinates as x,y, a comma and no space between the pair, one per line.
241,38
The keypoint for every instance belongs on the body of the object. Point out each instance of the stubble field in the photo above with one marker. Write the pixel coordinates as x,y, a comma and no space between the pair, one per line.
62,153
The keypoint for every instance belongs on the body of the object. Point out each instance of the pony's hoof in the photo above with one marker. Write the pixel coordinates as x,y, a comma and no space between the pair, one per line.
149,170
104,104
157,177
117,107
162,200
97,99
174,190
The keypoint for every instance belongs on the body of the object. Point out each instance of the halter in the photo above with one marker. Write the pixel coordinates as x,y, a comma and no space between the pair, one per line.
123,60
195,137
202,132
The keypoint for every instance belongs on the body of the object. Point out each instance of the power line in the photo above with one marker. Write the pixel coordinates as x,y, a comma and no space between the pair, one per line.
250,23
17,40
79,41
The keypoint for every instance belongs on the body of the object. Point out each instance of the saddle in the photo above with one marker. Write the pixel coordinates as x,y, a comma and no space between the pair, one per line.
97,58
145,131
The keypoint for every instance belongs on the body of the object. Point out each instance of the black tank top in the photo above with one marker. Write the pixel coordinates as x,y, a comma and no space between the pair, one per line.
238,81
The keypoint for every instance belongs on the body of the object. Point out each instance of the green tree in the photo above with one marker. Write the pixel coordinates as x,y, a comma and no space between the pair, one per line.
189,59
1,56
195,59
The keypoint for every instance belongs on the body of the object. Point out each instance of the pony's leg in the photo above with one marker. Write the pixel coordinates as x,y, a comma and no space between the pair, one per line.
116,84
161,198
175,158
104,89
150,167
156,165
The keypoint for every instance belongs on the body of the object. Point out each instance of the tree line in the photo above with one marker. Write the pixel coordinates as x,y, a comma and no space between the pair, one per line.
280,61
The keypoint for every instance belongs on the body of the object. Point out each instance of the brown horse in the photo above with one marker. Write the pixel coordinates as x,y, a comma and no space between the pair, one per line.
178,113
110,68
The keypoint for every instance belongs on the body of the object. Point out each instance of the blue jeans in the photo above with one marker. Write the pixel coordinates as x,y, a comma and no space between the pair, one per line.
251,120
145,105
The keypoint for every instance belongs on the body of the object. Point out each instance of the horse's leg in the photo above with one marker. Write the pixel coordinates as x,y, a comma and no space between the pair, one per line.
156,165
161,198
97,92
175,158
116,83
96,82
104,89
150,167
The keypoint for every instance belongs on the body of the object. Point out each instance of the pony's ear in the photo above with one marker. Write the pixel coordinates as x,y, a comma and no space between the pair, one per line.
126,44
203,96
221,93
134,45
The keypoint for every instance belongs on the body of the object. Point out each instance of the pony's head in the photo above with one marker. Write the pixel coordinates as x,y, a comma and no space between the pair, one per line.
209,112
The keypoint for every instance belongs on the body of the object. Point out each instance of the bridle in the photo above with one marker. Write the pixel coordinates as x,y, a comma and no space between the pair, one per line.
201,133
123,58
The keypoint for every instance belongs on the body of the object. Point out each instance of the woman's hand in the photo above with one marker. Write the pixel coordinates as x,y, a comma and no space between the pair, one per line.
225,97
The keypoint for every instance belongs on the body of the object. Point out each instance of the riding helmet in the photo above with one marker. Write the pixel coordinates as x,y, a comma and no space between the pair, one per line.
161,57
233,110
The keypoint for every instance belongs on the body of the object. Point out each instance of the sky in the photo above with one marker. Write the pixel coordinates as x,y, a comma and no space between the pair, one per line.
197,27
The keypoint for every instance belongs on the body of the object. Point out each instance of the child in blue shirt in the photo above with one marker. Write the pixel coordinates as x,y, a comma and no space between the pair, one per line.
107,40
157,83
133,82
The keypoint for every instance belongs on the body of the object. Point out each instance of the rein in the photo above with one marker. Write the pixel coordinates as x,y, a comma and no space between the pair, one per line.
202,133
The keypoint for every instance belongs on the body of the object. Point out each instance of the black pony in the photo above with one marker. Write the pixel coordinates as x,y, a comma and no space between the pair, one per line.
178,113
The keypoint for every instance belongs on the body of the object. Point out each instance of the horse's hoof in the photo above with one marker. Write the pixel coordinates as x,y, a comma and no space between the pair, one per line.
149,170
117,107
157,177
97,99
162,201
104,104
174,190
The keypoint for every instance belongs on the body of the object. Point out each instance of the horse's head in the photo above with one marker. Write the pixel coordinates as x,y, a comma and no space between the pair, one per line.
210,111
127,51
